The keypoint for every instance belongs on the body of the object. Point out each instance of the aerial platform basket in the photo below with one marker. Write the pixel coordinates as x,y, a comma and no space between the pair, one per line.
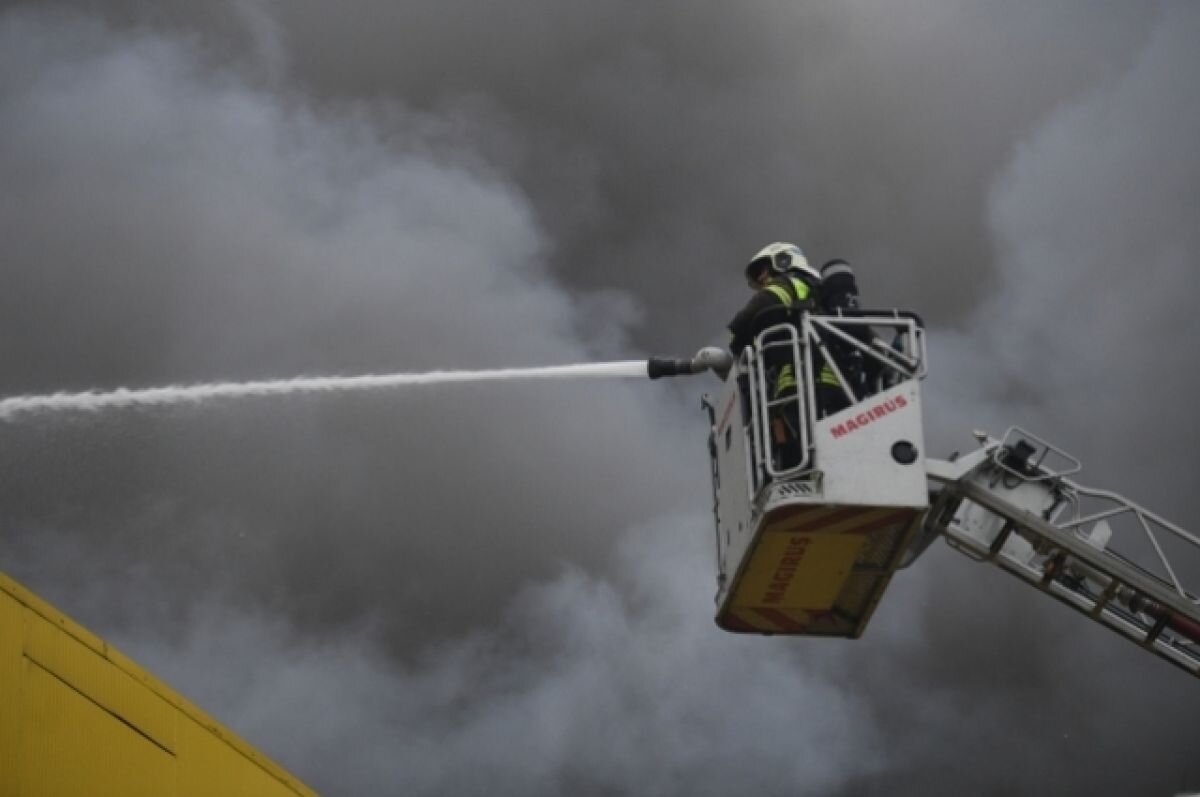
810,531
812,524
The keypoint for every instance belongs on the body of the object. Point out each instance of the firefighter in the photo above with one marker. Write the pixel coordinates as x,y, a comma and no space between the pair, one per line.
784,285
839,292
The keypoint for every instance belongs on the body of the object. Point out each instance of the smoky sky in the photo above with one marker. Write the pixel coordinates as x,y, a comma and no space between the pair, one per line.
507,589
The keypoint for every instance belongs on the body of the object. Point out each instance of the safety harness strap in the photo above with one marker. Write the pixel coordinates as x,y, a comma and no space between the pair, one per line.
798,294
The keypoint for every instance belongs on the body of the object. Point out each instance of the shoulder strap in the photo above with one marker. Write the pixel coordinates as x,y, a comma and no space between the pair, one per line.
803,292
782,293
792,292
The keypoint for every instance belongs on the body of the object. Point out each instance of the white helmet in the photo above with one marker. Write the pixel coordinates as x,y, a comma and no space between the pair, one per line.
782,258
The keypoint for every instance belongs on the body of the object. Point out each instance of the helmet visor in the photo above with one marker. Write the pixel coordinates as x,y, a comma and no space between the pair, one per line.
755,269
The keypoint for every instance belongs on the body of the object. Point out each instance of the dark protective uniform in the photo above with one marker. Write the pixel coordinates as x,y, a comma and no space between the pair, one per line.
775,303
770,305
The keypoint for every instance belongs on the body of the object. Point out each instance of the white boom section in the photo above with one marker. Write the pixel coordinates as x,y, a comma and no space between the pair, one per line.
1010,503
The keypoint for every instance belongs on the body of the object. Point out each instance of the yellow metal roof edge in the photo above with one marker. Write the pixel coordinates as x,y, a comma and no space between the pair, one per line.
131,668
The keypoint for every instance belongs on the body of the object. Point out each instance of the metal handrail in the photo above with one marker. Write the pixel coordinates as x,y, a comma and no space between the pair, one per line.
808,335
1145,520
1116,505
907,365
799,359
745,366
1044,473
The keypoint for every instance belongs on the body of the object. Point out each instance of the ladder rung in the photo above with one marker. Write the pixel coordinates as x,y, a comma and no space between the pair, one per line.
1105,597
1156,630
1054,566
1001,538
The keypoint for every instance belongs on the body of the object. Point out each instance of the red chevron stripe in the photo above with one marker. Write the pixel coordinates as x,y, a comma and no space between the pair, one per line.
779,619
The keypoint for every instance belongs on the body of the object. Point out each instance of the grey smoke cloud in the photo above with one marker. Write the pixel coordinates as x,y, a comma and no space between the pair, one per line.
1081,342
675,139
174,225
636,130
589,685
507,589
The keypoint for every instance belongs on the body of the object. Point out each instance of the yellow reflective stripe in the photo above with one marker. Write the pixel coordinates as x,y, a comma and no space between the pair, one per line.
782,293
827,377
786,379
799,286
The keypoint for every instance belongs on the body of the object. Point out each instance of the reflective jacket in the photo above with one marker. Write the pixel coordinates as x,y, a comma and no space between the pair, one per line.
776,302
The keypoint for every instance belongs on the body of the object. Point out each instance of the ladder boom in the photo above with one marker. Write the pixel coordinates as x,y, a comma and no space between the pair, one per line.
1005,505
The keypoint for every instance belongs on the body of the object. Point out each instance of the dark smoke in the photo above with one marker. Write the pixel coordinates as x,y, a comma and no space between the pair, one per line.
506,588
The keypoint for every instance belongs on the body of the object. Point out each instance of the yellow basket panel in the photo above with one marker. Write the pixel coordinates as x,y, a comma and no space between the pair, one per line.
797,571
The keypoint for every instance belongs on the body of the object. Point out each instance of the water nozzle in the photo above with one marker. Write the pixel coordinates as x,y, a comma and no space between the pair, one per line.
710,358
658,367
713,358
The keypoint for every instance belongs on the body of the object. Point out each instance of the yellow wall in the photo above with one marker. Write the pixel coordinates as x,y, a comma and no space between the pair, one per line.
78,718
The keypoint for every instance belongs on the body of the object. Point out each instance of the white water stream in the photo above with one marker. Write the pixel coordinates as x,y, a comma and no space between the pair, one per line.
96,401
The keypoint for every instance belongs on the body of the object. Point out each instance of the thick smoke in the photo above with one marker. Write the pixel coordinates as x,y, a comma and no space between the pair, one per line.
506,589
584,685
664,144
1081,341
174,225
